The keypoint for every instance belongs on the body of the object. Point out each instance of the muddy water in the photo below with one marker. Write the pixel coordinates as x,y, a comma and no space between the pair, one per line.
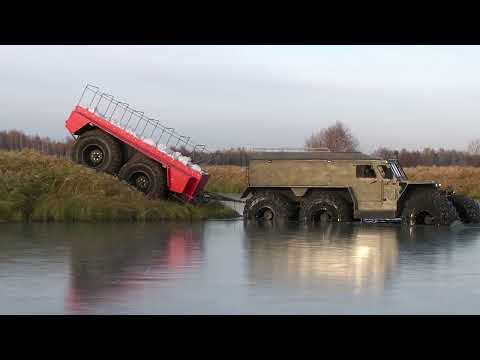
228,267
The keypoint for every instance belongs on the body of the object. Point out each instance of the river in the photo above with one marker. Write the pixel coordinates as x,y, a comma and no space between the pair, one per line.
229,267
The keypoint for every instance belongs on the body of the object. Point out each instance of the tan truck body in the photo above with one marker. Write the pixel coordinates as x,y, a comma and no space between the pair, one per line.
372,197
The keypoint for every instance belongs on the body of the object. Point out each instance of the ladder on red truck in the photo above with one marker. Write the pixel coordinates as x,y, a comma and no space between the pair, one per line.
97,109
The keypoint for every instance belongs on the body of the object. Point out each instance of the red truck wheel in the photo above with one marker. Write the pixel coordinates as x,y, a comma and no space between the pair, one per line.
145,175
99,151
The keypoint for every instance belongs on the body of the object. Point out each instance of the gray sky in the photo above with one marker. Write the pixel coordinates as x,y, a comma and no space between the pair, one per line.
395,96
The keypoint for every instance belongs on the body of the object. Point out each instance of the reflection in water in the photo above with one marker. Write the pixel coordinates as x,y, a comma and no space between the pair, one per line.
123,258
236,267
359,257
341,255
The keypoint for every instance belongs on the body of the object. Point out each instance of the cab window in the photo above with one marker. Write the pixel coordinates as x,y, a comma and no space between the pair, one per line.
365,171
385,171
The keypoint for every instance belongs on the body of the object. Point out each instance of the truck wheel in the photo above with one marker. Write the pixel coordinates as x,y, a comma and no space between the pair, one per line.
467,209
324,207
269,206
428,208
145,175
98,150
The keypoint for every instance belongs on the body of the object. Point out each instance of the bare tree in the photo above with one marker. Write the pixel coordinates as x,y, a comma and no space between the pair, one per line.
337,137
386,153
474,147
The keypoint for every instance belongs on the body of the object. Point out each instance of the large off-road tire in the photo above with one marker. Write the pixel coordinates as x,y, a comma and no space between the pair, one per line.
98,150
269,206
467,209
428,207
322,207
146,176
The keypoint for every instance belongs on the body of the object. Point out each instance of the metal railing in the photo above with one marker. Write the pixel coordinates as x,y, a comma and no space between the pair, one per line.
136,123
289,149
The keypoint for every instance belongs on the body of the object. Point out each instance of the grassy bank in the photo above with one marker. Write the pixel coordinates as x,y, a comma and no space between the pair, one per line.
35,187
464,180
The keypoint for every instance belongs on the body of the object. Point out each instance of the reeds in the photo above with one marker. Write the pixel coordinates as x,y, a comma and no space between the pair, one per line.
227,179
464,180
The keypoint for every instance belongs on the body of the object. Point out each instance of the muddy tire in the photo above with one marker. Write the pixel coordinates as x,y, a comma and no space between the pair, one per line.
467,209
269,206
325,207
146,176
428,207
98,150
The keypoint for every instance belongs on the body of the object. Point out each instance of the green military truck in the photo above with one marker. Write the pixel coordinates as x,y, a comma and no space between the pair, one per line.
323,186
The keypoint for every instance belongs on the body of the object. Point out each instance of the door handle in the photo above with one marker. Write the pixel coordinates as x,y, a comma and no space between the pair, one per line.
373,182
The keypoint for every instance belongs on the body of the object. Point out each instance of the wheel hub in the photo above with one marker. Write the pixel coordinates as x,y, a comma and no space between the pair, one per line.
325,217
96,156
268,214
322,215
142,183
428,220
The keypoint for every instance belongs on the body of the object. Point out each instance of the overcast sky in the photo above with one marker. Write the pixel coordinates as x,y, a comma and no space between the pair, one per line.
395,96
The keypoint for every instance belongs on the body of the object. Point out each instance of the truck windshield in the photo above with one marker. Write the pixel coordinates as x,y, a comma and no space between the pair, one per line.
397,170
385,171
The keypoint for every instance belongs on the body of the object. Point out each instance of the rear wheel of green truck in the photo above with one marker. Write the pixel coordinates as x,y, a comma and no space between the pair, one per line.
99,151
269,206
146,176
322,207
468,209
428,207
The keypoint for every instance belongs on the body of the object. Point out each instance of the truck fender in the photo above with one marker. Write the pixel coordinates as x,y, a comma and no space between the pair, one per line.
354,199
245,193
409,188
300,191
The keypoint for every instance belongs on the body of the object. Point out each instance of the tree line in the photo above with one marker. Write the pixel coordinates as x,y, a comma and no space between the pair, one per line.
336,138
429,157
16,140
407,158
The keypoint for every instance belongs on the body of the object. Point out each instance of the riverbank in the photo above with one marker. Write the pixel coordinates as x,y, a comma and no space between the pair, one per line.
464,180
36,187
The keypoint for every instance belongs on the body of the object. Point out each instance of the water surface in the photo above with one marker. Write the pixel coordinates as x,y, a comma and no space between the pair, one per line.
229,267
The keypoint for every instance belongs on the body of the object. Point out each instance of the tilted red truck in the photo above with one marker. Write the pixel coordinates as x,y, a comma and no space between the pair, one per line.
114,138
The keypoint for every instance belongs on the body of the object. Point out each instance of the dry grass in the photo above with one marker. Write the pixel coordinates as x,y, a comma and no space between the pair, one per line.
35,187
227,179
464,180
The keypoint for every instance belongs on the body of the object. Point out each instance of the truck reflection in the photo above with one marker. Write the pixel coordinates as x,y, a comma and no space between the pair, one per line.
358,257
345,257
105,267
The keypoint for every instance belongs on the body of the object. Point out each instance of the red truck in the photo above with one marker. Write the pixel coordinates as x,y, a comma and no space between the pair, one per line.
112,137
